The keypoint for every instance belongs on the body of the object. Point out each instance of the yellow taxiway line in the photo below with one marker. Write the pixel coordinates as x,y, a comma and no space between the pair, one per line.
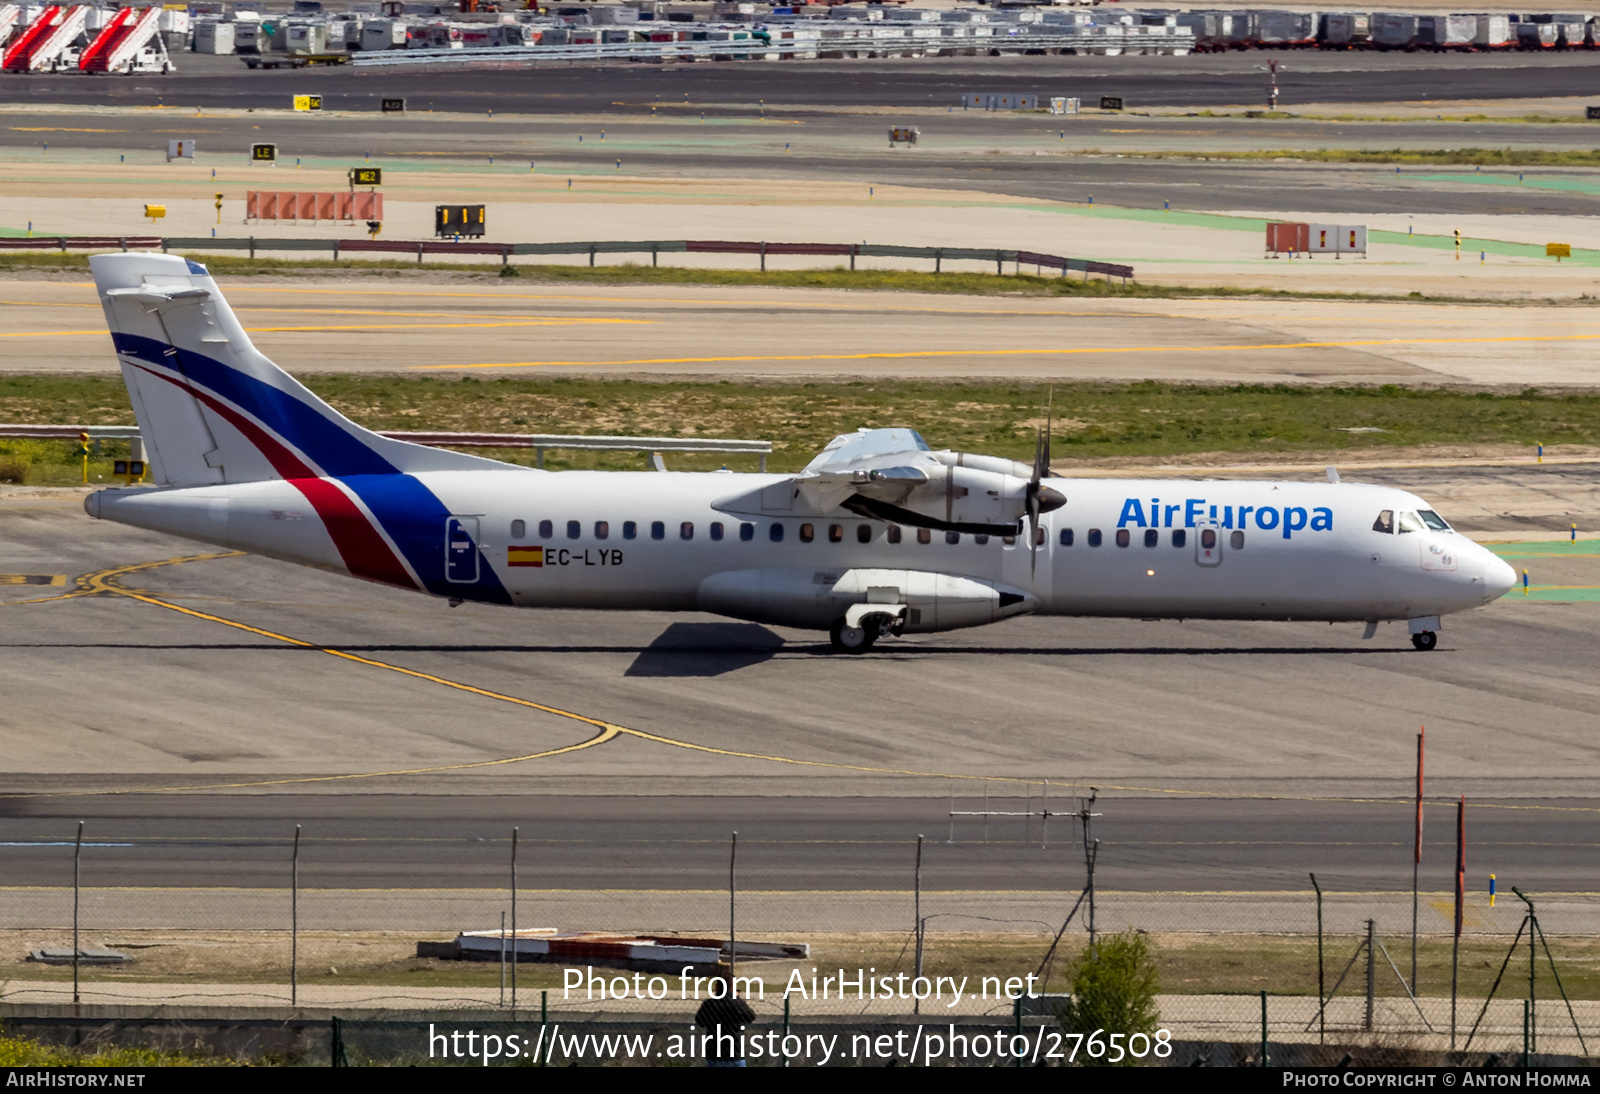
104,582
1052,351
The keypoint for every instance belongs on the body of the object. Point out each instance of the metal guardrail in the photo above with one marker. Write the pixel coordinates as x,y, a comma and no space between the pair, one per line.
536,441
1091,40
78,243
421,247
654,248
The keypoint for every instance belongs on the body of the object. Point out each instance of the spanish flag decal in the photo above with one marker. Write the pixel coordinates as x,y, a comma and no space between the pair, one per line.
524,556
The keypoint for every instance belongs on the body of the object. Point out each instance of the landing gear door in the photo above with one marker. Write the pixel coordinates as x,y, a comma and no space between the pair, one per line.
461,550
1208,545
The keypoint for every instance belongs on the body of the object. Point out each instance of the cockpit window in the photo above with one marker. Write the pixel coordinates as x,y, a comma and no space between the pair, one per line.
1385,522
1410,522
1433,520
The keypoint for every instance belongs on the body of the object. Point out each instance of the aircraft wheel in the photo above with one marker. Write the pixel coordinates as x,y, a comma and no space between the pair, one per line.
1425,641
851,639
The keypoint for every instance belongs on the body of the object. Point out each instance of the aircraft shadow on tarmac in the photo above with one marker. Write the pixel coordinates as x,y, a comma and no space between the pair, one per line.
705,649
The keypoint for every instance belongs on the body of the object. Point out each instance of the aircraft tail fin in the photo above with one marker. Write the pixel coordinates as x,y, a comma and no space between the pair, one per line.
211,407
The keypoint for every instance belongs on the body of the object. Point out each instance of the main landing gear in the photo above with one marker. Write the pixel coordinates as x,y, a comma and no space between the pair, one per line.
1425,640
848,639
860,639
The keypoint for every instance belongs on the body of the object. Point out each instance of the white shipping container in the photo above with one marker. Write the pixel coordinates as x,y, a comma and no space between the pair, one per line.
1494,32
213,36
1347,28
247,37
1393,30
306,39
173,22
383,34
1338,239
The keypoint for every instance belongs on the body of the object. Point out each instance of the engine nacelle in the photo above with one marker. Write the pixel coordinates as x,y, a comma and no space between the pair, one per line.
953,496
812,599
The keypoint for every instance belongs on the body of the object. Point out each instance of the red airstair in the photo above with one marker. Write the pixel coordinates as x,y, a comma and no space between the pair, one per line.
39,46
129,31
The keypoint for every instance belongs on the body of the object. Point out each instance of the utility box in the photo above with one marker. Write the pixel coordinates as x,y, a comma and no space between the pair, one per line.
903,134
181,150
1064,106
450,221
1111,102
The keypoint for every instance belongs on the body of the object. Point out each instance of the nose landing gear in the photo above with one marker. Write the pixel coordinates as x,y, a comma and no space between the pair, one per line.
1425,640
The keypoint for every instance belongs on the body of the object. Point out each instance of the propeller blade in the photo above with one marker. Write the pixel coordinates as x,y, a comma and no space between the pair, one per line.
1041,468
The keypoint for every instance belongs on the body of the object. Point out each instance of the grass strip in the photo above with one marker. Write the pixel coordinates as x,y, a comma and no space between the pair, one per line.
1092,420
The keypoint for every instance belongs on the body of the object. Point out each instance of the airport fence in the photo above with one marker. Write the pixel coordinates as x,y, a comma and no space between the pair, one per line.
286,929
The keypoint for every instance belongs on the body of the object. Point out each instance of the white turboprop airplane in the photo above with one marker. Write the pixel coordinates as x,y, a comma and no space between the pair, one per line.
877,536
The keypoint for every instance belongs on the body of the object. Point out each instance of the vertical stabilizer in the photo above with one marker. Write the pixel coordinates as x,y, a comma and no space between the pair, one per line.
211,408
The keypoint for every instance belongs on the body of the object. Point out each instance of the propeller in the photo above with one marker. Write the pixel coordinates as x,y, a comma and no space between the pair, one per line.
1036,488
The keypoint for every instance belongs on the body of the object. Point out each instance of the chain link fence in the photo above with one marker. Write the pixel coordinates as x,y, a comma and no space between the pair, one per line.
883,940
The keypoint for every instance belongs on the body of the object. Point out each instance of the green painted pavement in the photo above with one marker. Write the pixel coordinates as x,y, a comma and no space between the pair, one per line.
1561,594
1580,186
1584,548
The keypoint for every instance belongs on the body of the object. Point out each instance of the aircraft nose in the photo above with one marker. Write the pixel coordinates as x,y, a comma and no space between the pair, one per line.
1499,576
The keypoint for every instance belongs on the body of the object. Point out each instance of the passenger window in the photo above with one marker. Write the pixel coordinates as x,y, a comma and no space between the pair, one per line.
835,533
1410,522
1208,538
1152,537
924,536
574,529
1236,541
546,529
1094,537
602,529
1180,538
1123,537
630,530
807,533
952,537
893,535
1066,537
658,530
775,533
981,538
686,530
1385,522
863,533
519,528
747,532
716,529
